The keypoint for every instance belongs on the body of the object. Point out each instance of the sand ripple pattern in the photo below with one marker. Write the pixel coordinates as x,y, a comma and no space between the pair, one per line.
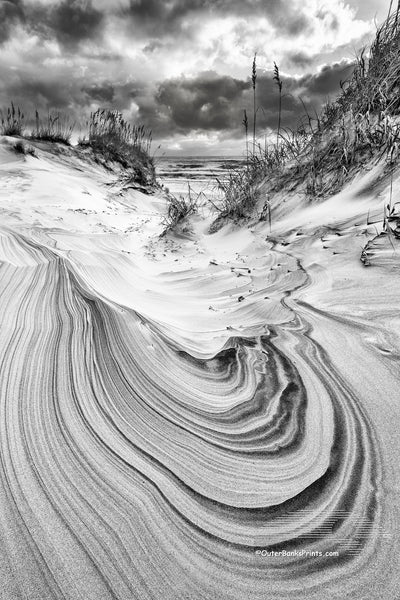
144,459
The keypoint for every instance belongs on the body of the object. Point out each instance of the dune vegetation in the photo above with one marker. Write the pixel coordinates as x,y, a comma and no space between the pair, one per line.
55,127
108,135
325,151
113,139
179,208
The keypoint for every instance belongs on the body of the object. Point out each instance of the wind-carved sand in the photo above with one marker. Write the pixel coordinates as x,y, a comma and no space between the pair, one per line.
174,409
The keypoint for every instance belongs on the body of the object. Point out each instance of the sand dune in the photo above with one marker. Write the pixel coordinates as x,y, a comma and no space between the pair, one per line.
174,408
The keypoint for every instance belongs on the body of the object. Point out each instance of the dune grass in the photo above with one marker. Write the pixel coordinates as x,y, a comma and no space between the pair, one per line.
108,129
12,121
239,193
178,208
54,128
114,139
326,151
110,137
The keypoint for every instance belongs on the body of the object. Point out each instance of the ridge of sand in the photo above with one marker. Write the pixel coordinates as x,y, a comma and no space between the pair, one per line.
172,406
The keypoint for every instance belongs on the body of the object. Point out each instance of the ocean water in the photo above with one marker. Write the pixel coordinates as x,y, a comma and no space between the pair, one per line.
199,174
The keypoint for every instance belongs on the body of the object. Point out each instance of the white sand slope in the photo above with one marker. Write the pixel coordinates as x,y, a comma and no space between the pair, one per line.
173,408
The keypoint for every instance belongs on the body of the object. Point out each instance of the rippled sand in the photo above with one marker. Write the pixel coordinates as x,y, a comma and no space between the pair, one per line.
173,411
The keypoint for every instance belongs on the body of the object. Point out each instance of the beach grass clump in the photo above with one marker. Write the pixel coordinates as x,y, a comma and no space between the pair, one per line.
115,140
240,188
238,194
108,129
54,128
20,148
179,208
12,121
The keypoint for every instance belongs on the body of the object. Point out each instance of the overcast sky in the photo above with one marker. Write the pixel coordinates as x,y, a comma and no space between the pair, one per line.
181,67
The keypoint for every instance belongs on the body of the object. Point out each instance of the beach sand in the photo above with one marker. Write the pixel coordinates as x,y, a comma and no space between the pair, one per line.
175,409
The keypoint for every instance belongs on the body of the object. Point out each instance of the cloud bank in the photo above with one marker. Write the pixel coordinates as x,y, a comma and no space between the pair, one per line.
181,67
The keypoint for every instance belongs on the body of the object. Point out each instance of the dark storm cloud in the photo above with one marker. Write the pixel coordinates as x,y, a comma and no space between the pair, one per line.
299,59
62,91
157,17
296,24
308,93
211,102
74,21
31,92
206,102
104,92
327,81
11,13
70,22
